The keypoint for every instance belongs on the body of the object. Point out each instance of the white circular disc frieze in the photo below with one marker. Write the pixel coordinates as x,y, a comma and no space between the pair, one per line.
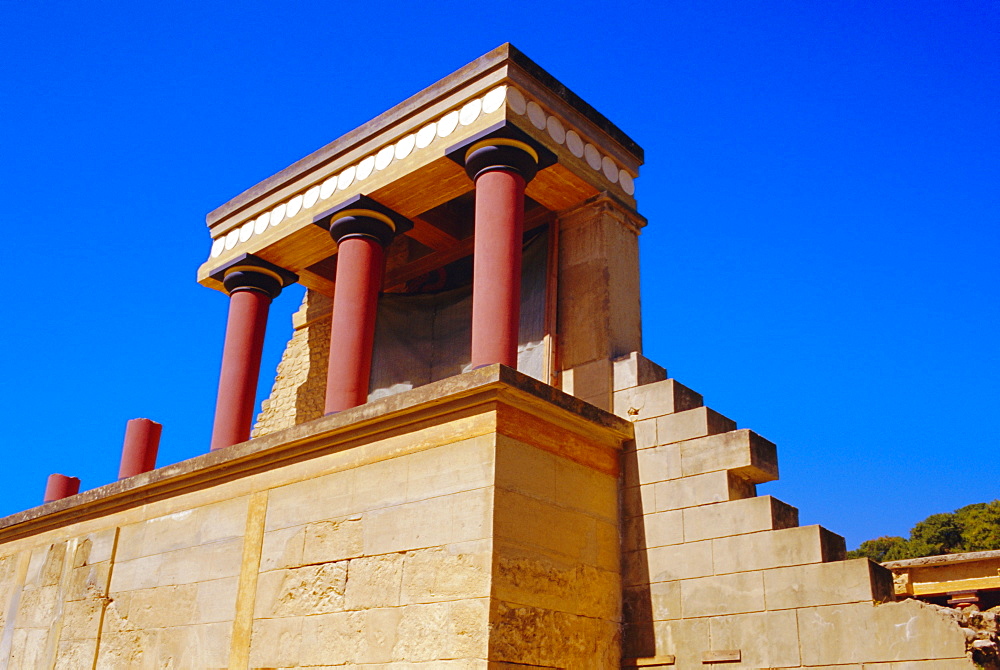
278,214
232,238
610,169
556,130
346,178
294,205
365,168
218,246
246,231
447,124
384,157
493,99
426,135
405,146
536,115
574,143
625,179
310,198
470,112
516,100
328,187
260,225
593,156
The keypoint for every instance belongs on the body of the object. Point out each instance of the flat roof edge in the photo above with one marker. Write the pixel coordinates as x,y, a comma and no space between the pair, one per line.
493,60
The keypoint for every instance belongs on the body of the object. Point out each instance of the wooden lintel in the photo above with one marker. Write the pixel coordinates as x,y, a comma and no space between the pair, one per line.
430,235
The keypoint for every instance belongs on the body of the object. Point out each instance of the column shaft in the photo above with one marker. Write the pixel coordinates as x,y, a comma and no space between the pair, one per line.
360,268
240,367
496,284
60,486
142,441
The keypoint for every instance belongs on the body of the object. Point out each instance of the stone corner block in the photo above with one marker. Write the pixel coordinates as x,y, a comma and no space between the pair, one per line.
635,370
656,399
741,452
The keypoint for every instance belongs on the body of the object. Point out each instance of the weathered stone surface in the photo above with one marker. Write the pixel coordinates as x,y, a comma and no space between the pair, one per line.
765,639
655,464
653,400
374,581
903,631
332,639
76,654
81,619
282,548
635,370
312,589
680,561
853,581
540,637
440,631
276,643
685,640
548,584
335,540
447,573
653,530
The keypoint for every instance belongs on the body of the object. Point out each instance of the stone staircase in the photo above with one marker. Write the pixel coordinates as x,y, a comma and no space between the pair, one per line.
714,574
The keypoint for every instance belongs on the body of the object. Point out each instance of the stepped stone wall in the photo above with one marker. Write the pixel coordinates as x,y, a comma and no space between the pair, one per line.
715,575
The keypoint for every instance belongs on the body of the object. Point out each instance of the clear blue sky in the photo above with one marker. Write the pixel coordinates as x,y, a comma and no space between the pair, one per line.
822,188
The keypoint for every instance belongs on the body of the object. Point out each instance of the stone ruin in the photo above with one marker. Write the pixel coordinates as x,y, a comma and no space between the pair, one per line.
465,460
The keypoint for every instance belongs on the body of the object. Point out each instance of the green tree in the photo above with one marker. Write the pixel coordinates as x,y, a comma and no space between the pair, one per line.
974,527
881,549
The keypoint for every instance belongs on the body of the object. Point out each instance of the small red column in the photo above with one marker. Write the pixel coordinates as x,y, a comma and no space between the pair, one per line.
362,229
60,486
251,289
501,161
142,441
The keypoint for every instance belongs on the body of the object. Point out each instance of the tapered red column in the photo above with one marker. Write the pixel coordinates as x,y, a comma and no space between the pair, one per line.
362,229
142,441
496,280
501,161
360,265
251,289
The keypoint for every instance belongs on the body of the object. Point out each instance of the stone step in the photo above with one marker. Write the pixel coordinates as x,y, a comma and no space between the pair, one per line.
635,370
776,548
711,487
742,452
738,517
835,583
691,424
656,399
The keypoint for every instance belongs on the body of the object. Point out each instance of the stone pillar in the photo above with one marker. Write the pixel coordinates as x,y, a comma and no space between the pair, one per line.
60,486
362,230
501,161
252,284
142,441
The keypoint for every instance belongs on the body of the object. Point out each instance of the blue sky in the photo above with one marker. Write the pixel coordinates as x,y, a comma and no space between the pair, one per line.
821,184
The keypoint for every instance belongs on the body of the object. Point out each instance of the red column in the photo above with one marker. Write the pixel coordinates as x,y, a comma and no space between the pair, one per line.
248,307
360,266
496,283
60,486
142,441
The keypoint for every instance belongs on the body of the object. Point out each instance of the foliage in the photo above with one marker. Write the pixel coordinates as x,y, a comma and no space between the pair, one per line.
974,527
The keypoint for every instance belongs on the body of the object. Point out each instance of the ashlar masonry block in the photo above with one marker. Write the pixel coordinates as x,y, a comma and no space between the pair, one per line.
635,370
724,594
776,548
741,452
738,517
691,424
654,400
858,580
765,639
711,487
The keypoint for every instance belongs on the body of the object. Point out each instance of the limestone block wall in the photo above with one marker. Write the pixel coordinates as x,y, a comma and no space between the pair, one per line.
716,575
472,523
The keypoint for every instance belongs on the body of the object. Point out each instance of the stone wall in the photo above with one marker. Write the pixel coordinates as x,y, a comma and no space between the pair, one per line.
716,575
472,523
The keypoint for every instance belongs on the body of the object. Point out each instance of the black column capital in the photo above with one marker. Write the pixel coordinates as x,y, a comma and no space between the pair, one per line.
502,146
361,216
247,272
